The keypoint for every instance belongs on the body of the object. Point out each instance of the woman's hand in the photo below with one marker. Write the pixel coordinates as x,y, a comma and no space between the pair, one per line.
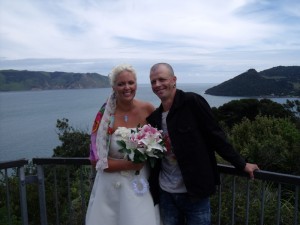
115,165
93,163
137,166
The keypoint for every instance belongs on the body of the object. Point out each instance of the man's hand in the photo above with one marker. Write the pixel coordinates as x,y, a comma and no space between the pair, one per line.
250,168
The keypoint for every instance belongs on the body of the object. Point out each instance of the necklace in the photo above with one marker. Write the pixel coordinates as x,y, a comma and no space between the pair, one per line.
123,114
125,117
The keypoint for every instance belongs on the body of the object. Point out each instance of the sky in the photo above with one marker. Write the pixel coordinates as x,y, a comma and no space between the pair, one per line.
205,41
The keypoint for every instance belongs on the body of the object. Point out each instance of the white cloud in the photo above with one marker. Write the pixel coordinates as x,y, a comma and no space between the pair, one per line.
232,35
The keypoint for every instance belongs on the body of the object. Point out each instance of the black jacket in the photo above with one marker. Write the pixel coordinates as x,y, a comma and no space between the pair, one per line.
195,137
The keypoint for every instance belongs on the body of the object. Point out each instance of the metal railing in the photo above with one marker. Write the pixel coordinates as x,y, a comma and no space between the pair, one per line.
56,191
6,169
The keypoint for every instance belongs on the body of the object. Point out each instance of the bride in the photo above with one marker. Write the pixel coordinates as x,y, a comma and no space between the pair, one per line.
119,196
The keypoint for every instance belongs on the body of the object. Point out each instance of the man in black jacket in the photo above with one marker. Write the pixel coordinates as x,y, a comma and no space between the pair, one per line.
187,175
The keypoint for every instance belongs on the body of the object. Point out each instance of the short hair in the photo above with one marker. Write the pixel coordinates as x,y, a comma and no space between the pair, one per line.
168,66
119,69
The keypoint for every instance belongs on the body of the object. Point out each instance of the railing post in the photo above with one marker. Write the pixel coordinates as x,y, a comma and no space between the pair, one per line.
262,203
219,202
7,198
42,196
23,197
278,204
233,201
296,205
247,202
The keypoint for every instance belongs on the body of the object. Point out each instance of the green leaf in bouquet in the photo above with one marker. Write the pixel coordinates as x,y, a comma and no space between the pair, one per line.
142,157
121,143
139,157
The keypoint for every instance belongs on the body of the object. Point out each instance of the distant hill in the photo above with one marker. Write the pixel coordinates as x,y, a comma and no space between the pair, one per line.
15,80
277,81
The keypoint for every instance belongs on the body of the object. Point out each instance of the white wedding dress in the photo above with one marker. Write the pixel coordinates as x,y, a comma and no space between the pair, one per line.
113,200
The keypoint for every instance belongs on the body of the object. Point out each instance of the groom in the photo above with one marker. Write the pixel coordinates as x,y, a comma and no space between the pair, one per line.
187,175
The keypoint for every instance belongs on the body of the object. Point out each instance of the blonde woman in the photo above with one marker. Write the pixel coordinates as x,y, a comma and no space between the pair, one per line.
119,197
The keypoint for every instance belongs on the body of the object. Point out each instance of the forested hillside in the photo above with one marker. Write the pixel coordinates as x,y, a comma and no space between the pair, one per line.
15,80
277,81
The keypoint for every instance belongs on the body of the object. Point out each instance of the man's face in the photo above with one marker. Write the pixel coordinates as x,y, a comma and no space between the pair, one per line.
162,83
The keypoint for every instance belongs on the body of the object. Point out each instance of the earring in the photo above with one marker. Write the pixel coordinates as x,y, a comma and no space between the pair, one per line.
174,86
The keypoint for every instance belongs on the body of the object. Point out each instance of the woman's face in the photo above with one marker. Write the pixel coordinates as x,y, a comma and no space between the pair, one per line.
125,86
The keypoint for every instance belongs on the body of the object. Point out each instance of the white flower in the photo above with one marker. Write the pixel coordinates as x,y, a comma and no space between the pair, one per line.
123,132
142,143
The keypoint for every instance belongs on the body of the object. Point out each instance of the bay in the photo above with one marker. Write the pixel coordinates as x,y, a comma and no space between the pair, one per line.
28,118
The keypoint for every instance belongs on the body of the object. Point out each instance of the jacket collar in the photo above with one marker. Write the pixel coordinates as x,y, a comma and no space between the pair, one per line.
155,117
177,102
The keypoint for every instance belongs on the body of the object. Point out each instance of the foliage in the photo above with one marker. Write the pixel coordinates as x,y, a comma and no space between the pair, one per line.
273,143
75,143
255,202
67,193
67,187
234,111
12,184
266,133
68,202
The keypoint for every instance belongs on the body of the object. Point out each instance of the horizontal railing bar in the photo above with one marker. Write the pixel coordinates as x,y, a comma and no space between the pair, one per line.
62,161
228,169
13,163
262,175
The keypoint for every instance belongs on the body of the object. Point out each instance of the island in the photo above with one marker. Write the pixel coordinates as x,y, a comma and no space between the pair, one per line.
24,80
280,81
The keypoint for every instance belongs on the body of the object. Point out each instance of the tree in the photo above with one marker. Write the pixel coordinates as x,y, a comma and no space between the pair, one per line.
75,143
234,111
272,143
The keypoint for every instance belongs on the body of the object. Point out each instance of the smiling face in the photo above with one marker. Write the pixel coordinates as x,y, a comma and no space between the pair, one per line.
163,83
125,86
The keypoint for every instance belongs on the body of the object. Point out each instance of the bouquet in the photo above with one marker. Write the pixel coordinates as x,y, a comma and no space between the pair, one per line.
139,145
142,144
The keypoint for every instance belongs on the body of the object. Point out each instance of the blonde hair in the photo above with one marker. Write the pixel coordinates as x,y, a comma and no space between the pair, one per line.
119,69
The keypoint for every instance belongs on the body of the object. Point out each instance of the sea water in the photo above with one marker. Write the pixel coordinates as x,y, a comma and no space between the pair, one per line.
28,118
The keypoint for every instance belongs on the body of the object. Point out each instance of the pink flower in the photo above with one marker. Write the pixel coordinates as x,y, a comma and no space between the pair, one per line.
143,143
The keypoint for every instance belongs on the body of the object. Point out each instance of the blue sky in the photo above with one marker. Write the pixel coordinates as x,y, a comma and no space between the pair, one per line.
205,41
